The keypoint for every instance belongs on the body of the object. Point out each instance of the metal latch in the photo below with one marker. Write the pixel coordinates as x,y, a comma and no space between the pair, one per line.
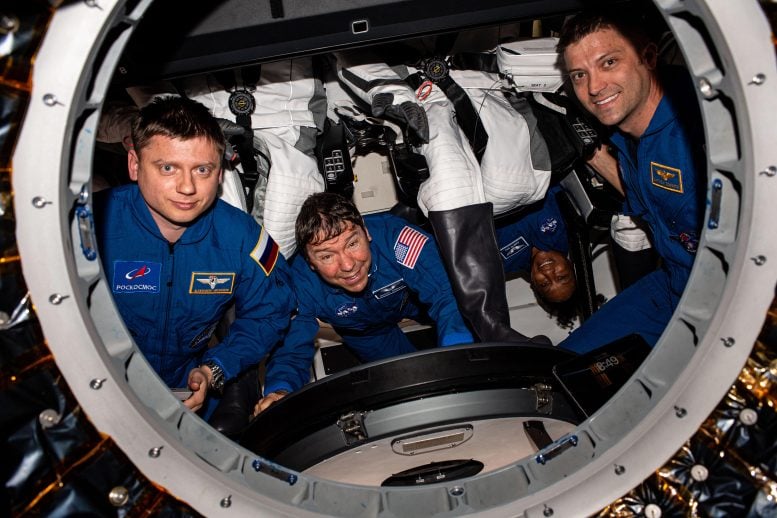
352,426
544,397
85,225
715,198
556,449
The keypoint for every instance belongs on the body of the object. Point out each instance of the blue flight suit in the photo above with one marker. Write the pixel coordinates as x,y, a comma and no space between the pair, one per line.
407,280
543,228
171,296
663,174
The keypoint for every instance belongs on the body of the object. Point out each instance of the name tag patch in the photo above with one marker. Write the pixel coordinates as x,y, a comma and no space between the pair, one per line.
665,177
212,283
515,247
390,289
347,309
136,277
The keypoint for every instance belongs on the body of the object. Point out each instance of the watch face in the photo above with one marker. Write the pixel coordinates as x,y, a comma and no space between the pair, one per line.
241,102
436,69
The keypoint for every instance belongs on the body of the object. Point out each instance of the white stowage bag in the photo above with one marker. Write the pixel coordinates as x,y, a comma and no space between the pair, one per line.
530,65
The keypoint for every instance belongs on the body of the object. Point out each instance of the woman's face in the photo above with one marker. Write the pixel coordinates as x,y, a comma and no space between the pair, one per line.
552,275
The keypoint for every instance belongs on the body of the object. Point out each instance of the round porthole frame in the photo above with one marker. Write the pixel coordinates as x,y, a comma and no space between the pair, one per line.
731,58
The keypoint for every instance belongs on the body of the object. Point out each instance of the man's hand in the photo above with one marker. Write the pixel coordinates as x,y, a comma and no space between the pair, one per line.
268,400
606,165
199,381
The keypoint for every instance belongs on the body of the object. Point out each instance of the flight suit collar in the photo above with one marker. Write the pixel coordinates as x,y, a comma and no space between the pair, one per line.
663,116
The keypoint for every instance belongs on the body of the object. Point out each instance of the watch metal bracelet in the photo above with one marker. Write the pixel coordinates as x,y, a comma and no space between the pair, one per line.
217,375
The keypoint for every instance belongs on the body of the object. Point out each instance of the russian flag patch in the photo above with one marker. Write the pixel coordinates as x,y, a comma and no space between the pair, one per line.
265,253
408,246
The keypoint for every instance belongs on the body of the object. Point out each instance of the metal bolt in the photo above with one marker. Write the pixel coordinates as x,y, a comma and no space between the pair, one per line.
39,202
456,491
96,383
547,511
50,100
769,171
118,496
155,452
705,87
226,501
759,260
748,416
92,3
619,470
256,464
122,70
57,299
49,418
728,341
680,412
758,79
652,511
699,473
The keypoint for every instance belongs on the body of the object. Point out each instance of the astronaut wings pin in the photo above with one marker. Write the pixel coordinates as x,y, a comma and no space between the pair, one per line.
212,281
206,283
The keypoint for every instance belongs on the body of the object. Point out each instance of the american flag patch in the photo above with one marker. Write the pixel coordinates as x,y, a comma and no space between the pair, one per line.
265,253
408,246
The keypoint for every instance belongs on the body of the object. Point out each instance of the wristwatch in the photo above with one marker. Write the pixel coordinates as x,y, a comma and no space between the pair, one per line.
217,375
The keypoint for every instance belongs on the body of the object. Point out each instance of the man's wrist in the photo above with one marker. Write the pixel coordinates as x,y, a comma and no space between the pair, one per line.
279,388
216,375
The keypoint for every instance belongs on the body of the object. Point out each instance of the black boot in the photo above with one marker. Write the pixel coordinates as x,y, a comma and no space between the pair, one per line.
234,411
467,242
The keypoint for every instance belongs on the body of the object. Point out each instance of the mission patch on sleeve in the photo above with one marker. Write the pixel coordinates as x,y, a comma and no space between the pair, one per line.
265,253
408,247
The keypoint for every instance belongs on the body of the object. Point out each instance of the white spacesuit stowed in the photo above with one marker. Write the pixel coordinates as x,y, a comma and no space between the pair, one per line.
508,175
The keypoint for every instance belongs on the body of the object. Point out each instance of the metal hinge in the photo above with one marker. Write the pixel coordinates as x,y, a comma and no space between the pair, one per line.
352,426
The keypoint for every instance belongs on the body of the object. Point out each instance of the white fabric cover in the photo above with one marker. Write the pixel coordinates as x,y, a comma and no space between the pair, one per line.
628,233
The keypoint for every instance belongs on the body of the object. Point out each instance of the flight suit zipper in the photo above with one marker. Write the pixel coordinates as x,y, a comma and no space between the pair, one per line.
169,283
